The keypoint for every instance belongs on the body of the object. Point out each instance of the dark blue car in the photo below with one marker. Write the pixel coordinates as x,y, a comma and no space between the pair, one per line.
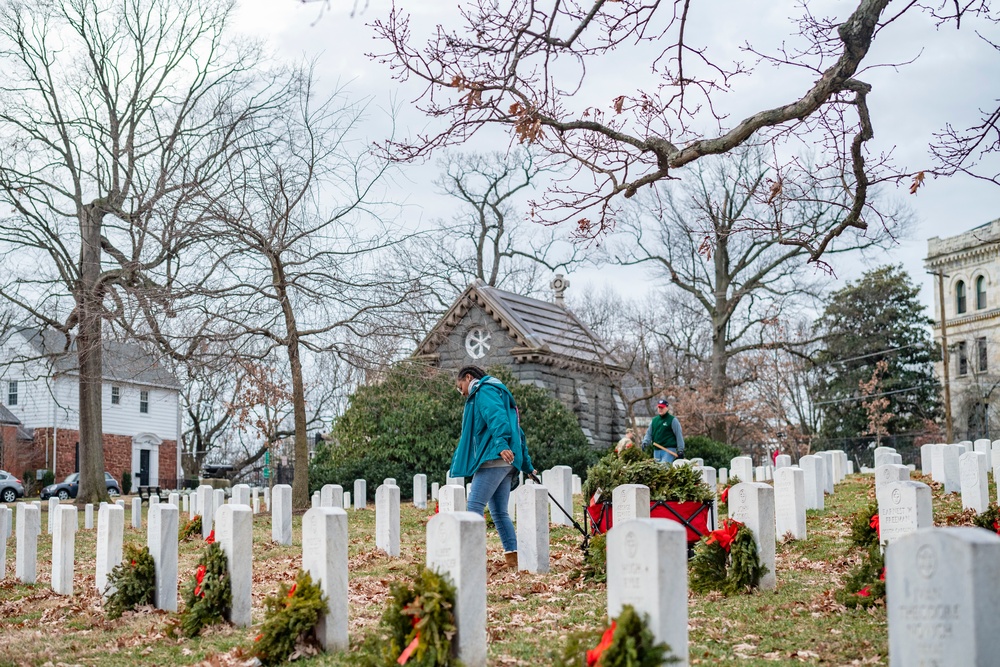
69,486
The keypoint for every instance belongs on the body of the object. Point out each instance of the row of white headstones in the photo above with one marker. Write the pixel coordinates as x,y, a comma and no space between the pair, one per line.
643,553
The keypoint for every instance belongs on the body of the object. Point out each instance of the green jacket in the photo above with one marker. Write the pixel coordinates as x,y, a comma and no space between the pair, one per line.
489,426
666,432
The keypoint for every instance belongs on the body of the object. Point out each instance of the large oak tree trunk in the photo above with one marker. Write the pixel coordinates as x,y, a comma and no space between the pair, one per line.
88,345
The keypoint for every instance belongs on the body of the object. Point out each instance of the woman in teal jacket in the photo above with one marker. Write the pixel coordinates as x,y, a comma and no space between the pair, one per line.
491,450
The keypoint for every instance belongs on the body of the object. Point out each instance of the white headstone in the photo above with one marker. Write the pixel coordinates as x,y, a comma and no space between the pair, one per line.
175,499
29,525
241,495
347,500
110,532
331,495
577,485
456,481
316,499
758,474
255,499
88,516
281,514
533,528
925,458
628,502
782,461
420,491
234,533
324,556
812,469
903,507
161,537
561,488
387,519
206,505
884,456
153,499
451,498
752,503
53,507
218,498
137,513
982,445
723,476
360,494
708,476
742,467
995,457
185,502
839,459
937,463
850,467
647,568
943,597
64,549
952,474
790,502
456,548
267,498
828,471
434,490
890,472
5,514
975,482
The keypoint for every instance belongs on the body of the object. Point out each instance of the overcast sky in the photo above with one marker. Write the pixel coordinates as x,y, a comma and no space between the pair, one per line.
954,75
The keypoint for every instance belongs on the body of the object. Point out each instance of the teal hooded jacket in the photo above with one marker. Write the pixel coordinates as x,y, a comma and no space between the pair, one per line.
489,426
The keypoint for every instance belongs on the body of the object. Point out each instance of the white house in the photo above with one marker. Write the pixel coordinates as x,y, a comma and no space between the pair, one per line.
40,385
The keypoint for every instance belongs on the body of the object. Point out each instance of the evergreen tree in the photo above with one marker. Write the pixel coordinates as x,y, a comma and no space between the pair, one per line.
876,318
411,422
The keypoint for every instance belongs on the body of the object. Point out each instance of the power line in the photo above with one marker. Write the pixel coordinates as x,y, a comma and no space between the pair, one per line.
863,398
875,354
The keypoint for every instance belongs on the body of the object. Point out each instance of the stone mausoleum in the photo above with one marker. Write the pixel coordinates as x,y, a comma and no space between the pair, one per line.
542,343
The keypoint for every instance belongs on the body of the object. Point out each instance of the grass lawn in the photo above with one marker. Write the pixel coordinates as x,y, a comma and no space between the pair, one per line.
528,614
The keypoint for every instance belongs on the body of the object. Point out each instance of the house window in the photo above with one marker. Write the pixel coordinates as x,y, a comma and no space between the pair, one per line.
960,297
963,359
12,392
980,292
116,395
981,354
144,401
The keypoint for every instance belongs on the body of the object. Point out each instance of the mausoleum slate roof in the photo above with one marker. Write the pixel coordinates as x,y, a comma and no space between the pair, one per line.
545,331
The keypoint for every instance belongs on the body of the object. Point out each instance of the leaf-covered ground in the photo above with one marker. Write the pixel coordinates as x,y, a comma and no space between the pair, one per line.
529,615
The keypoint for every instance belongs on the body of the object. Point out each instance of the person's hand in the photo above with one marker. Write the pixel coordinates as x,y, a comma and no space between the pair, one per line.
507,456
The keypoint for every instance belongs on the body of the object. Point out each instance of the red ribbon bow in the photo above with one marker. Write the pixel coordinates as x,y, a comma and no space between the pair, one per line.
594,654
411,647
724,496
996,527
211,537
875,524
725,535
291,591
199,576
865,593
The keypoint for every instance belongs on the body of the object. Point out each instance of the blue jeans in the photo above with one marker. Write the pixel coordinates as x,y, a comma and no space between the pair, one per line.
491,486
661,456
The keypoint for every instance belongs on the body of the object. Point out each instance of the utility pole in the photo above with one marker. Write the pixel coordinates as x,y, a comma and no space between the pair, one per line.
948,431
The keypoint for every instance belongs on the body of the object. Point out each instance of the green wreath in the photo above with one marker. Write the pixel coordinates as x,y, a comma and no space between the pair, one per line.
865,586
627,643
416,628
131,583
290,616
191,528
726,560
208,594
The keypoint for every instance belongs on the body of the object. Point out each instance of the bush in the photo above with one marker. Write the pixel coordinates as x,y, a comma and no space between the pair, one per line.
126,483
48,477
716,454
411,421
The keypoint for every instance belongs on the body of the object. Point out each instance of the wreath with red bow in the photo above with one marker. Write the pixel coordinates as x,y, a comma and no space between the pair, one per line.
290,618
208,594
726,560
628,642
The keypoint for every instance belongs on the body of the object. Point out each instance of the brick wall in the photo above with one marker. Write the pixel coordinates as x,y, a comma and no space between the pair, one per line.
16,455
117,454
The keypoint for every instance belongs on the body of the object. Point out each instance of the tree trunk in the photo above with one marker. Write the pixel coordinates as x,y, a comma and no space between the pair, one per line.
718,377
300,475
88,347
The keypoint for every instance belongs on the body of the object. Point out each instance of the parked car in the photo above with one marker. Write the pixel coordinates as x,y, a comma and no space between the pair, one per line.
10,487
69,486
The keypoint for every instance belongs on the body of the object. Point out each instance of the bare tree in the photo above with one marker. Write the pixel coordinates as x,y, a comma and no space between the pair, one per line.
115,119
529,67
704,238
301,237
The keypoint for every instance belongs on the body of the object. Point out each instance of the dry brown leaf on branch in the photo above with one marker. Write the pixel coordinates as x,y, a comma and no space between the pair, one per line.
918,181
618,103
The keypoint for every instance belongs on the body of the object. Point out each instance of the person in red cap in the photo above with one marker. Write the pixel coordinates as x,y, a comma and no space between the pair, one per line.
665,435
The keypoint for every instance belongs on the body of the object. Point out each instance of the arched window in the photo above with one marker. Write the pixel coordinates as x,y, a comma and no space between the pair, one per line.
980,292
960,297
